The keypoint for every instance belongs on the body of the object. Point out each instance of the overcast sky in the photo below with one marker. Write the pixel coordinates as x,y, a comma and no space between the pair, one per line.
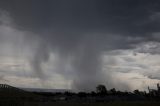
78,44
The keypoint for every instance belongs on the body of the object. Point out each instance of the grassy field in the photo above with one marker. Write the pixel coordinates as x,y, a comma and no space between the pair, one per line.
107,104
94,104
114,104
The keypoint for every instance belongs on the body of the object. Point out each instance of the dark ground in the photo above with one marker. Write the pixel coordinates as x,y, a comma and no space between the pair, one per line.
87,104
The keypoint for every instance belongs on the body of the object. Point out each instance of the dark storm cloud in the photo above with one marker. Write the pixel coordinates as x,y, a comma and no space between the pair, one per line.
83,29
85,15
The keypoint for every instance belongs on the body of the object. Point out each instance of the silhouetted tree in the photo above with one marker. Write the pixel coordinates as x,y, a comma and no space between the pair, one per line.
136,92
82,94
113,91
101,89
93,93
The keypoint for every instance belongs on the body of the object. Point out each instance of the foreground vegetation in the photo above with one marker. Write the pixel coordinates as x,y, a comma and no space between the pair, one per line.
86,104
12,96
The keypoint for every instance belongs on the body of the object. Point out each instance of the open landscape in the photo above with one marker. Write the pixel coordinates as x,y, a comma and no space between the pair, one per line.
79,52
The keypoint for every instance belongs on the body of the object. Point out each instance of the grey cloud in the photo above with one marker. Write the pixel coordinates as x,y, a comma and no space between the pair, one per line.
148,47
153,77
3,79
81,31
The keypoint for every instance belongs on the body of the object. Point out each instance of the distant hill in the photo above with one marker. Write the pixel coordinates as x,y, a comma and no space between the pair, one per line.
45,90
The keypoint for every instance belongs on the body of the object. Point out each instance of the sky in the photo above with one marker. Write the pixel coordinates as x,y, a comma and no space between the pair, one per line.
78,44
